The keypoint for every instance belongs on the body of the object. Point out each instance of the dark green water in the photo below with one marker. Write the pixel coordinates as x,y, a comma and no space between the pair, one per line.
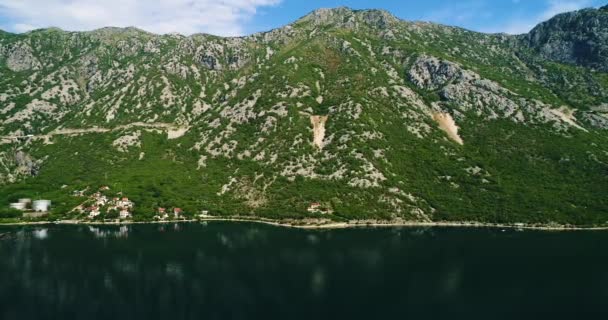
251,271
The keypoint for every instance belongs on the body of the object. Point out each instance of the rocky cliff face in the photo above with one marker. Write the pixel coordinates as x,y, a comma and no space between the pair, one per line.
372,116
16,165
579,38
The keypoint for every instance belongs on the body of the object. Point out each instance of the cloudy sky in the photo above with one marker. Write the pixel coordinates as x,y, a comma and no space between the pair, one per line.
241,17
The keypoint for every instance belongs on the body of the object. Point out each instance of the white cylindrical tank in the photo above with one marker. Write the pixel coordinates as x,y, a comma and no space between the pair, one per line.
41,205
18,206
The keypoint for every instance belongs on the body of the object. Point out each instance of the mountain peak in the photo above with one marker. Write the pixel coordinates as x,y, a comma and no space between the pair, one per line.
346,16
119,30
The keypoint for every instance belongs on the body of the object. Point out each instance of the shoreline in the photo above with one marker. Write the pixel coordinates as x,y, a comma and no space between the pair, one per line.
326,224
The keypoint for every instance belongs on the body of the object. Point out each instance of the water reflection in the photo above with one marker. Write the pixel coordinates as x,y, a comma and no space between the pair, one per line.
313,239
109,232
41,234
174,270
317,281
248,271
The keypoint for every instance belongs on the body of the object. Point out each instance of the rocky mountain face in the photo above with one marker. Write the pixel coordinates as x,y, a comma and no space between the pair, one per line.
366,114
579,38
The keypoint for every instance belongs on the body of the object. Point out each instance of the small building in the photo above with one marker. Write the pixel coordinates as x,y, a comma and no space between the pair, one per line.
101,201
162,214
124,213
41,205
124,203
78,193
317,207
314,207
177,212
27,201
93,212
104,188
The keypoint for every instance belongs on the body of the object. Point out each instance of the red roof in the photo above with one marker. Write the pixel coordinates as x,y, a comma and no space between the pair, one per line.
177,210
161,209
125,199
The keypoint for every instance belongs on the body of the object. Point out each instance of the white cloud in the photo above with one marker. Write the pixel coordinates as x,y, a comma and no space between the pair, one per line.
219,17
521,25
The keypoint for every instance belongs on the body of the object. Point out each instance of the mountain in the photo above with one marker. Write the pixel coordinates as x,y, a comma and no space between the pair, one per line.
579,38
363,114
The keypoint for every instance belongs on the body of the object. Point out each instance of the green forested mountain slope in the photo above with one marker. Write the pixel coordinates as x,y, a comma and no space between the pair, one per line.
371,116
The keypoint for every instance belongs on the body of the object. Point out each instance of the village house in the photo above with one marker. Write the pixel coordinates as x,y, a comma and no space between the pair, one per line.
177,213
101,201
104,188
317,207
124,213
80,193
161,214
314,207
124,203
93,212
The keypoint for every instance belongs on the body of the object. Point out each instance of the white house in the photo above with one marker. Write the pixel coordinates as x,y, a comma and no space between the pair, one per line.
314,207
94,212
124,203
317,207
124,213
162,214
177,212
101,201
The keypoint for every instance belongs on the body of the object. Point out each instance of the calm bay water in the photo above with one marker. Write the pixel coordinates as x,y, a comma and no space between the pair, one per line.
251,271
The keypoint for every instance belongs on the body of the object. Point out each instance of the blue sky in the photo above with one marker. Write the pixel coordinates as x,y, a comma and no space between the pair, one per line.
240,17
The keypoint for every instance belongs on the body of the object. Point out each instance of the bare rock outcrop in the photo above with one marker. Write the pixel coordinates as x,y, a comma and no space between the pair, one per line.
16,165
21,58
318,128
